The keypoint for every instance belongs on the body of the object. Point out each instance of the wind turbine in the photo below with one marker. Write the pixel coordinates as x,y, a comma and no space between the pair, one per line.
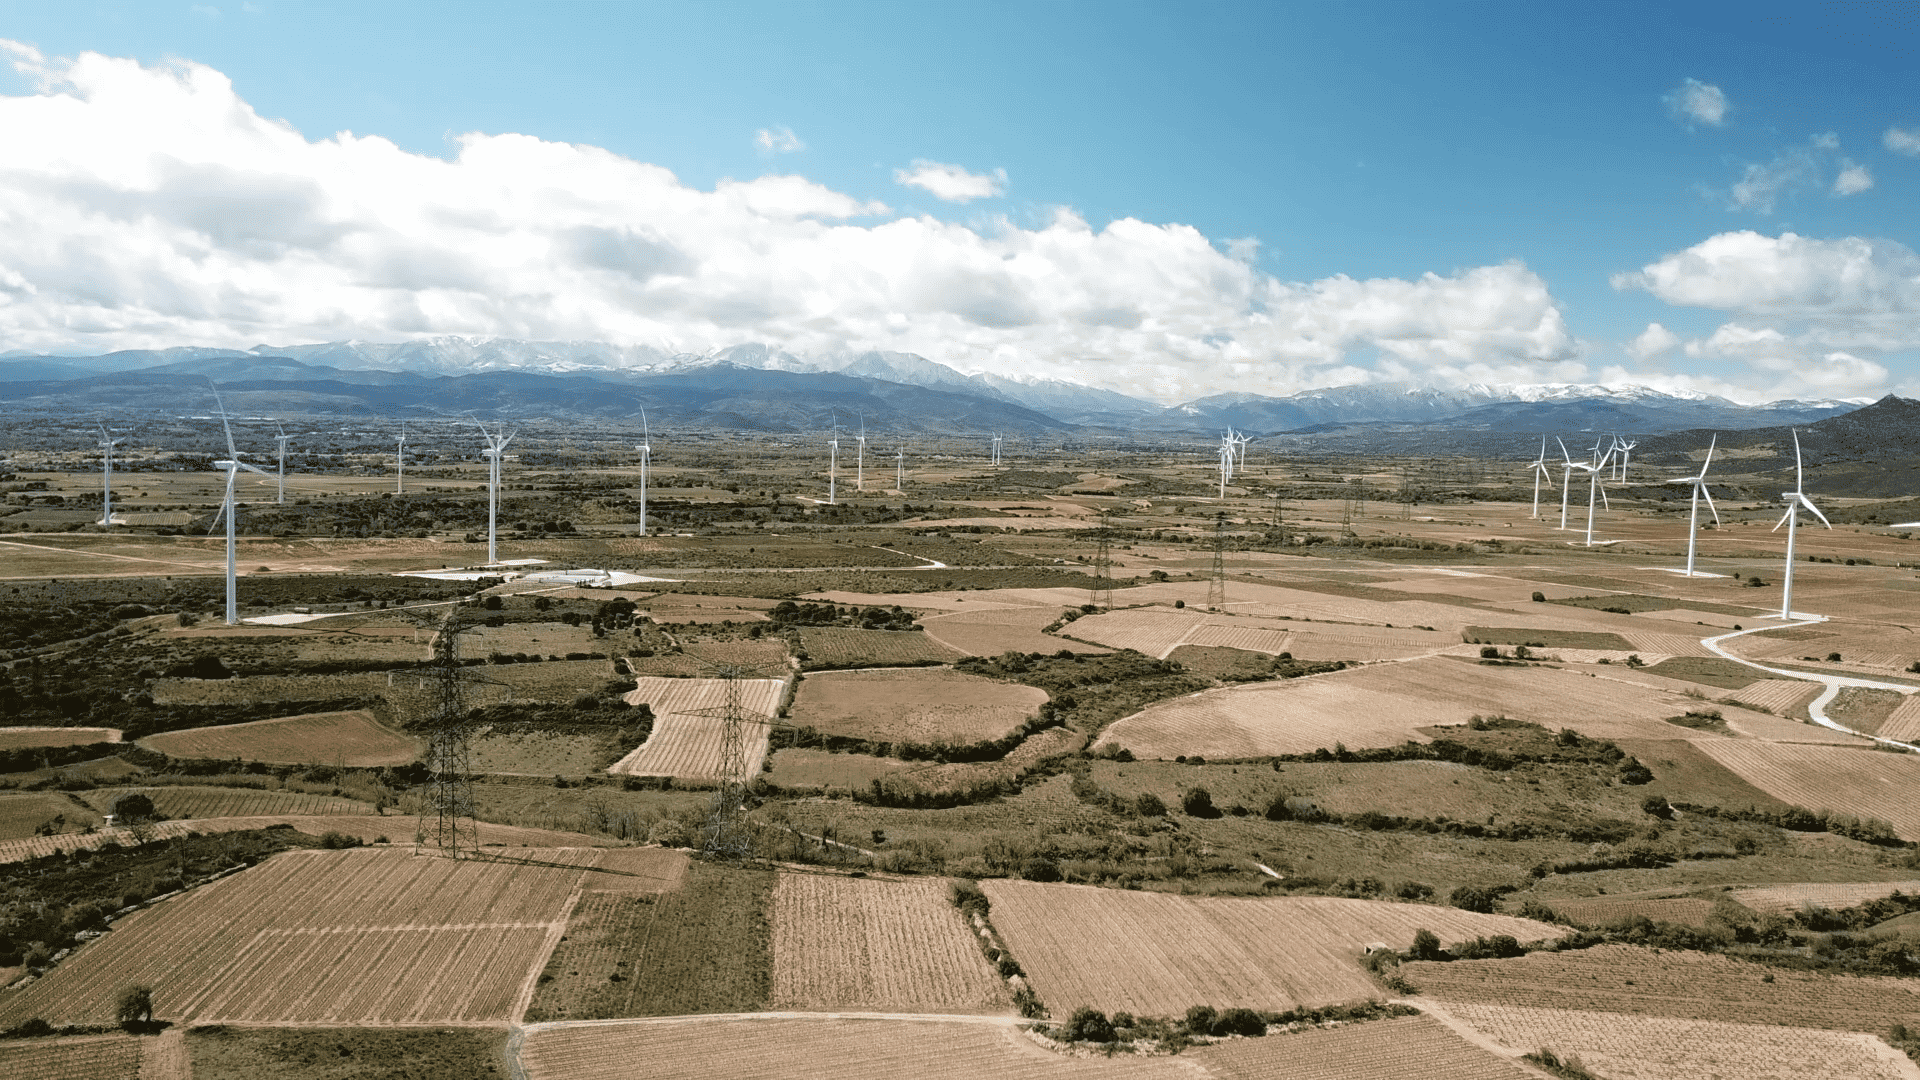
900,470
833,462
400,461
495,451
1594,488
282,440
232,465
1795,500
860,460
1626,456
1226,466
994,460
107,443
1540,472
1699,482
1566,480
646,452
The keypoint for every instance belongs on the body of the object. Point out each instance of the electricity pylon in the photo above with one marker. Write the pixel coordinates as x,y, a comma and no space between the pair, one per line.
1217,581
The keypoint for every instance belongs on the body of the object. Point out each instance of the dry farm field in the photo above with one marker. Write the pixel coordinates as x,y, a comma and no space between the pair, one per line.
820,769
1387,704
840,647
357,936
878,944
90,1057
352,738
1408,1046
22,738
912,704
512,751
687,727
21,814
1904,723
1612,1045
1782,697
1864,783
792,1048
246,689
1150,630
1156,954
997,630
220,802
1601,911
1786,899
1681,985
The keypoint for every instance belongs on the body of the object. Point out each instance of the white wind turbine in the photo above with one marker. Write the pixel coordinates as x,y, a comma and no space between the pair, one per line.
281,440
900,470
1566,480
1699,482
107,443
495,451
400,461
833,462
1626,457
1795,500
646,453
1594,487
232,465
994,460
1242,441
1540,472
860,459
1226,466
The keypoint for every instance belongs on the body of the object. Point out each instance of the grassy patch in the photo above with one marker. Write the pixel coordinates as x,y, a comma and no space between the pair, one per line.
243,1053
1708,671
1701,720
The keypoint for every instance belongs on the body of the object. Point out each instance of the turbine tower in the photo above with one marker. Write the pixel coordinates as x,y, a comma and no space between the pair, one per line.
1699,483
1566,480
281,440
994,459
646,453
1540,472
833,464
495,451
107,443
1594,488
860,460
232,465
400,461
1626,455
1795,500
1226,467
900,470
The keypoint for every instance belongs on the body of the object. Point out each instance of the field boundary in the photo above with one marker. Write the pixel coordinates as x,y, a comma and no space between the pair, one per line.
523,998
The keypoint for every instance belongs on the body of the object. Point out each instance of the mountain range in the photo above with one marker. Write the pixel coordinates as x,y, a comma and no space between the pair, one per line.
755,387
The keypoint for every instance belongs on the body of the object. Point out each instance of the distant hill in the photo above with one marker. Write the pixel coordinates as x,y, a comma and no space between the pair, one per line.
1873,451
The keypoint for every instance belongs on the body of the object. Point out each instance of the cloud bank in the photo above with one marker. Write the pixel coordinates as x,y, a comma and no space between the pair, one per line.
951,182
149,206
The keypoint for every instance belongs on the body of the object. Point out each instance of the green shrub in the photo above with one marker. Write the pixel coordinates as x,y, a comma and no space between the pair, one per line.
1088,1025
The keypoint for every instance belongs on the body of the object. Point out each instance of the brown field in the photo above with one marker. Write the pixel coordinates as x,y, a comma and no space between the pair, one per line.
21,738
1865,710
998,630
1786,899
838,647
1332,641
533,638
357,936
1706,670
1155,954
1150,630
916,704
517,752
22,813
1681,985
217,802
1385,705
251,688
337,1053
789,1048
368,827
685,743
352,738
1601,911
699,658
554,680
1613,1045
818,768
878,944
90,1057
1858,782
1237,635
1547,639
1380,1050
1904,722
1782,697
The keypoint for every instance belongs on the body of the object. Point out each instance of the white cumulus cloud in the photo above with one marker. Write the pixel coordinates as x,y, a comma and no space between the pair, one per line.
1902,142
1853,179
152,206
951,182
1652,341
1696,102
780,140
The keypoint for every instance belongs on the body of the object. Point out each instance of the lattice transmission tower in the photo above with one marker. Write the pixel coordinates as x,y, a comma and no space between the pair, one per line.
446,817
727,833
1100,593
1217,580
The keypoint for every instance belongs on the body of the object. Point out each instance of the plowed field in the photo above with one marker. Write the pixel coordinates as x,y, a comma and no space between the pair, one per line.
251,688
1783,697
368,936
1613,1045
338,738
1387,704
1904,723
795,1049
838,647
1383,1050
998,630
92,1057
20,738
917,704
1604,910
1858,782
883,945
687,730
1681,985
214,802
1155,954
1153,631
1786,899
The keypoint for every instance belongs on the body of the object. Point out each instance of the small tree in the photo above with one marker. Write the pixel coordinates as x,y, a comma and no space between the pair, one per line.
1426,945
1088,1025
135,1006
1147,804
1473,898
1198,802
1490,652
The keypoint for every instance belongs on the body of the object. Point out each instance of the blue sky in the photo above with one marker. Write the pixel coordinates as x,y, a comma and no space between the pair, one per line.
1539,160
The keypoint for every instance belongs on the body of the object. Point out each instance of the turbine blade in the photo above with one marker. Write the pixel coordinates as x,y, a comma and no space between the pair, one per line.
1799,477
1808,503
1563,449
1708,495
231,454
1783,517
252,468
1705,464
